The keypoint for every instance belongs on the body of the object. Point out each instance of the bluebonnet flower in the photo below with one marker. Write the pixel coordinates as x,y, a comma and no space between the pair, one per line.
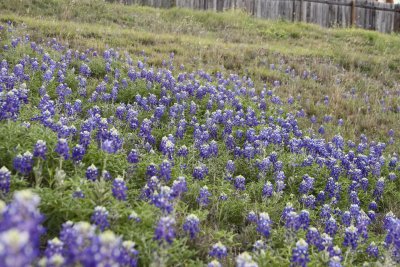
106,175
17,250
20,230
81,243
304,219
292,221
108,146
213,148
346,218
335,261
107,247
120,111
191,225
162,199
218,251
78,193
249,151
314,238
280,185
285,213
389,221
199,172
100,217
77,153
230,166
321,130
165,170
373,250
228,177
40,149
268,189
179,187
306,185
133,156
264,224
300,255
55,260
183,151
54,246
205,151
62,148
84,139
113,142
19,70
393,162
134,216
119,189
48,75
5,176
165,230
354,210
335,251
223,197
204,197
391,225
85,70
331,226
240,183
214,263
151,170
167,147
92,173
151,186
129,255
379,187
77,106
330,186
259,246
23,163
364,184
309,201
245,260
321,197
392,176
372,205
351,237
325,213
252,217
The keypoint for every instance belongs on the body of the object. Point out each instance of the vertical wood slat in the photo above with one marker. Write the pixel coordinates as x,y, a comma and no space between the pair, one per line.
365,14
353,13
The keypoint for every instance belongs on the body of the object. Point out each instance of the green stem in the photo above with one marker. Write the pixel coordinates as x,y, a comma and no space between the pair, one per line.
345,258
38,174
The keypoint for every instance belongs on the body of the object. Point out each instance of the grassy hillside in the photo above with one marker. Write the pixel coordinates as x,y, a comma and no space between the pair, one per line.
233,42
179,129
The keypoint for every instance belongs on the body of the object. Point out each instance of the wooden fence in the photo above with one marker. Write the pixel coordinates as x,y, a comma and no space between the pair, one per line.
371,15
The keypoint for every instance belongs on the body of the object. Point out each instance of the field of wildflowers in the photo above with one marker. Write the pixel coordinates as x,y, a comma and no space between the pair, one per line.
110,159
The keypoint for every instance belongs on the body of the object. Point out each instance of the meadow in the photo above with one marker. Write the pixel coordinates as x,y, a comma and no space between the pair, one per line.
134,136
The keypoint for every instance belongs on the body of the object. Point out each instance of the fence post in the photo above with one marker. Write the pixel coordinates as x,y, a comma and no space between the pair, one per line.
301,11
396,19
293,10
353,13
